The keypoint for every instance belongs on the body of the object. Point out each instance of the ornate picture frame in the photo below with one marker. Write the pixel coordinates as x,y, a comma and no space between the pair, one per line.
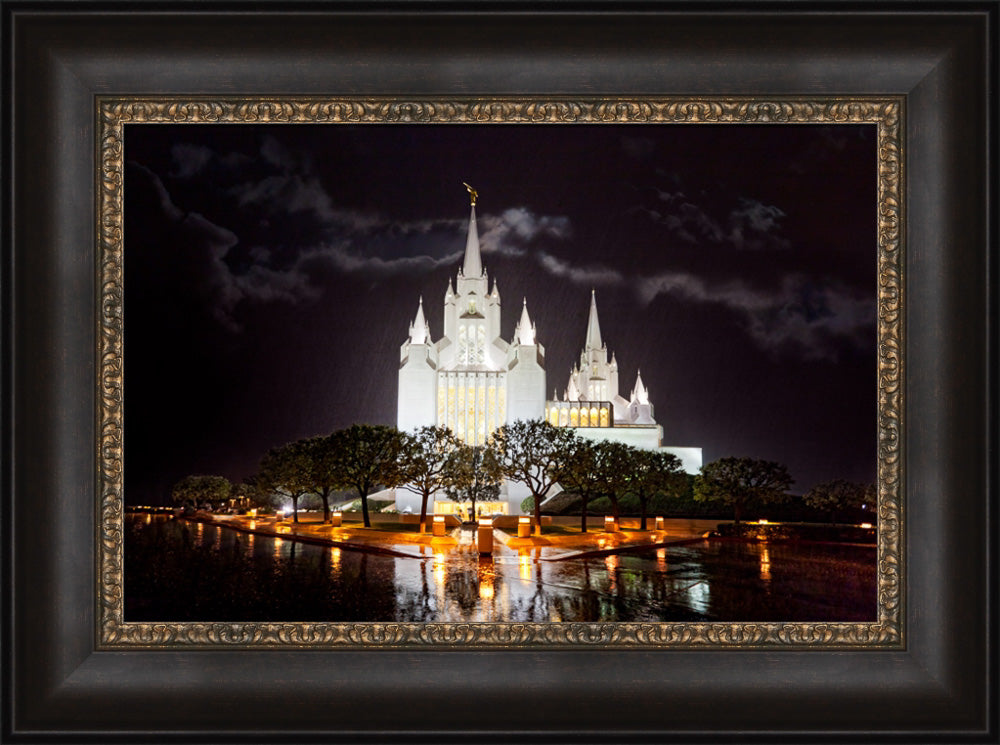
115,114
74,671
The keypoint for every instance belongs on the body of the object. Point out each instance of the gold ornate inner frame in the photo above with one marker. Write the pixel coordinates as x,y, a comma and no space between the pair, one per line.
114,113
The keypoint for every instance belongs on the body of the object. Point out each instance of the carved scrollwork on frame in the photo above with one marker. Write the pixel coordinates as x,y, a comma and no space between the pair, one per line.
113,114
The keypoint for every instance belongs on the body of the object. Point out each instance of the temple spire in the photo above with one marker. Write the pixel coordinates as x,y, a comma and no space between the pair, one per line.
593,326
473,264
639,392
525,333
419,333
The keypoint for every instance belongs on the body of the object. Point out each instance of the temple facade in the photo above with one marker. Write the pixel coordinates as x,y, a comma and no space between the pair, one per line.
473,381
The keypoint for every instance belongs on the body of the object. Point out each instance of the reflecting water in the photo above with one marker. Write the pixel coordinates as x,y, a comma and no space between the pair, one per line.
176,570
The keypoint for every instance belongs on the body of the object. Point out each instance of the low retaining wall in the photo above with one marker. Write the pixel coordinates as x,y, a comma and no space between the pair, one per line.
798,532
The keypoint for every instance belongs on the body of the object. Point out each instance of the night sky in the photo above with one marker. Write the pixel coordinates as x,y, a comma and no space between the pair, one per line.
271,272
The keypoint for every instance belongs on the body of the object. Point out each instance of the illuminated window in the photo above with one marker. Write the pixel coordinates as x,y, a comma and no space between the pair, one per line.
574,417
563,417
593,416
554,416
480,345
463,347
604,416
584,418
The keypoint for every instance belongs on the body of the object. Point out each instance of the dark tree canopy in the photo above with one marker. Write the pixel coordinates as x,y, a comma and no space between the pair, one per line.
473,475
653,473
366,456
579,474
424,462
840,498
200,489
285,471
531,452
739,481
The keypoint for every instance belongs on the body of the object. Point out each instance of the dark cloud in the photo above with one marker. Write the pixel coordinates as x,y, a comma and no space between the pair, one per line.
802,316
750,224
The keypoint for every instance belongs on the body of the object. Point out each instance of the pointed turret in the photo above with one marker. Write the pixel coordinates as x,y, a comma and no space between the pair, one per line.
593,326
472,266
451,291
419,333
639,392
525,331
572,392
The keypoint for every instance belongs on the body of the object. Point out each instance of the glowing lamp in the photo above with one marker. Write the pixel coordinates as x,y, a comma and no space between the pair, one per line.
762,522
336,519
866,526
253,512
439,525
484,537
523,527
610,524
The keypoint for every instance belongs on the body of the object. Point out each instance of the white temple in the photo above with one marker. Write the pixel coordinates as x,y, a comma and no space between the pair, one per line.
473,381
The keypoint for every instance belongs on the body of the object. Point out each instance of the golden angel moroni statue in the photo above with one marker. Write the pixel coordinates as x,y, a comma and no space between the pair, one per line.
473,194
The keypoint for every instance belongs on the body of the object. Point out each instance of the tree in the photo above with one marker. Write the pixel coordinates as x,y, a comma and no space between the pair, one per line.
473,474
614,464
199,489
321,469
424,463
653,472
579,474
839,497
738,481
532,453
366,456
285,471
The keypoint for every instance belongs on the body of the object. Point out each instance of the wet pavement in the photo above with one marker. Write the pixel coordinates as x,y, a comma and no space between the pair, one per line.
179,570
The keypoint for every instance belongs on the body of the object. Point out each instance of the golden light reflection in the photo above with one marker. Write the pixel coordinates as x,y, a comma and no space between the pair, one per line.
765,565
277,547
524,567
334,558
439,571
661,558
486,576
611,562
486,587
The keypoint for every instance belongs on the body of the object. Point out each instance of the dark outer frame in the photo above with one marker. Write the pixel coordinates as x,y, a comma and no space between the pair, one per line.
942,57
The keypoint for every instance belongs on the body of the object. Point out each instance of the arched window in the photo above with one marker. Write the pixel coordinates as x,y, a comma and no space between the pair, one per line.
604,416
563,417
593,416
554,416
574,417
584,418
463,347
480,345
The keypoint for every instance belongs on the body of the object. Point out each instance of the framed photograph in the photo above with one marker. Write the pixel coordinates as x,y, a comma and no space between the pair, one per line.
229,274
301,239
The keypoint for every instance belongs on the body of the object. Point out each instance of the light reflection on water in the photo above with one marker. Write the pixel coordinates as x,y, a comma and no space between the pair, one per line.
706,580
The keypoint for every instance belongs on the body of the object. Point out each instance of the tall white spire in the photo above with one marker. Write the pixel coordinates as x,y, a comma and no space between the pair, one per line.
419,333
473,264
639,392
525,332
593,326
